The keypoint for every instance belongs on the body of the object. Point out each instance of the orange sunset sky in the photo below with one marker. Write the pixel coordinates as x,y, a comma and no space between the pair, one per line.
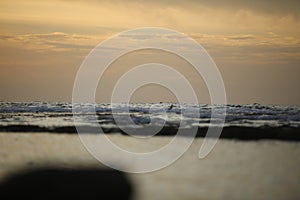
255,44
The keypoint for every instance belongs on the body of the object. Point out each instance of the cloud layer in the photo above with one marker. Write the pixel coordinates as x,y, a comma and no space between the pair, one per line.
256,44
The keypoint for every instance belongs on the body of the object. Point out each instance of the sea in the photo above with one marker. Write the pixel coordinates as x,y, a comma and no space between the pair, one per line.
241,122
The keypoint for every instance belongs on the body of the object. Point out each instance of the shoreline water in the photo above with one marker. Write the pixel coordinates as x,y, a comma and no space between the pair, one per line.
265,169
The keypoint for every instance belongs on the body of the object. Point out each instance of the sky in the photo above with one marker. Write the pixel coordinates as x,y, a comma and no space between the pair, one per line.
255,44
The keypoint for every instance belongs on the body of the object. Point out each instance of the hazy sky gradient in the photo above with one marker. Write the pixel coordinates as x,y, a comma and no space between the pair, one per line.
255,44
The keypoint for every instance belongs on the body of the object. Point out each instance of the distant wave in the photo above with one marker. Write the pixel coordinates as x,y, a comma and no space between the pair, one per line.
246,122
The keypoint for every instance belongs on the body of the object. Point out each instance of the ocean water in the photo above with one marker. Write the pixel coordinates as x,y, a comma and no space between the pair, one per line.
251,121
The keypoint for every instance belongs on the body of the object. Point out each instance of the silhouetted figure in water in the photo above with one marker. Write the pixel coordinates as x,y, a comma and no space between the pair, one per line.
170,108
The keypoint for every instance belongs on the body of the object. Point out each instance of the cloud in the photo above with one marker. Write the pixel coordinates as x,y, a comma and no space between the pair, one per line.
267,39
269,48
147,35
241,37
279,7
56,41
273,7
214,16
228,48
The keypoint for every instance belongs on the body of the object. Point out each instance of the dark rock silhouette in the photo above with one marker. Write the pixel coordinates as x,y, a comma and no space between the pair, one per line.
53,183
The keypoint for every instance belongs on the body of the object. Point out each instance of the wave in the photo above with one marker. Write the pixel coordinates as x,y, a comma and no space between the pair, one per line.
250,121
